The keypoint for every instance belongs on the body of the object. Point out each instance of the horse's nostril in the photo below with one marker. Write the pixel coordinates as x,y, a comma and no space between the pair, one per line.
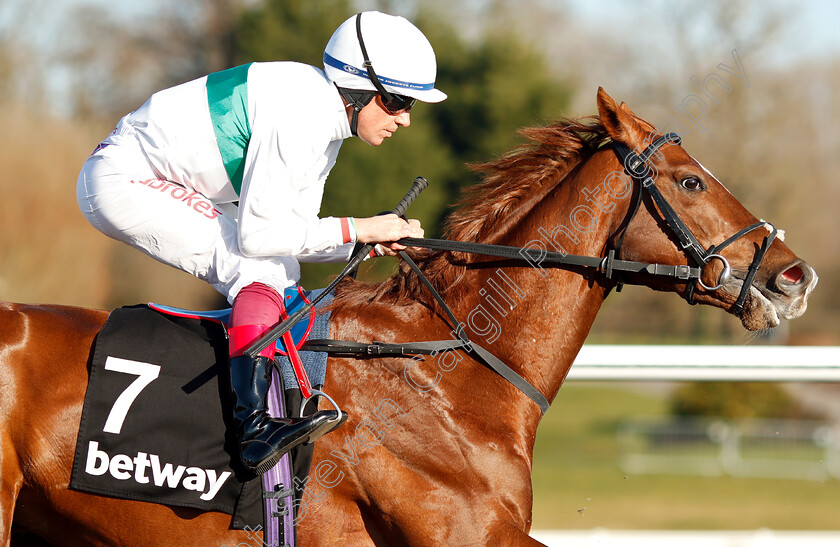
793,275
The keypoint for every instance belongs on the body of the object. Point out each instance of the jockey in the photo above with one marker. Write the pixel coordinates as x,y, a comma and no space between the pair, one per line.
223,177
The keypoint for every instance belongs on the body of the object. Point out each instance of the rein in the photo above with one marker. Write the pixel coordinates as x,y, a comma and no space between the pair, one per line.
607,265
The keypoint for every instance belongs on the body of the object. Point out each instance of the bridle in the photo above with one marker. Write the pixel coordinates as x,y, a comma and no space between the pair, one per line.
640,169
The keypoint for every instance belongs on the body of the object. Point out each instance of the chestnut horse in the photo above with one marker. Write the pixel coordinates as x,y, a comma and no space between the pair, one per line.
435,451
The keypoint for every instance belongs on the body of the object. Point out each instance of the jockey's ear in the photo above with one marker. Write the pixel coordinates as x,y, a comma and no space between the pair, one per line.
622,125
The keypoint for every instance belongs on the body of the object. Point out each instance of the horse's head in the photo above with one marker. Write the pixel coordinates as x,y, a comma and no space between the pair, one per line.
781,281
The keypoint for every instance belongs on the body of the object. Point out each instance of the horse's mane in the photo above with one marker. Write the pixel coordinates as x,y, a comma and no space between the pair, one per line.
525,173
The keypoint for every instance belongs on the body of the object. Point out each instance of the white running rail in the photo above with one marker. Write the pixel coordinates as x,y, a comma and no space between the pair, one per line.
600,537
708,363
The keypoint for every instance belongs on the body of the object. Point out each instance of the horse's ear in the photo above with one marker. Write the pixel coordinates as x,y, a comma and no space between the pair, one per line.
620,122
626,108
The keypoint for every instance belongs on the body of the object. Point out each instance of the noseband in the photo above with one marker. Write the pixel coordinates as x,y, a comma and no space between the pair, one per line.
641,169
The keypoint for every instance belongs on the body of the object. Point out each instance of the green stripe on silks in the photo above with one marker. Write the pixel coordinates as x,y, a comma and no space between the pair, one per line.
227,97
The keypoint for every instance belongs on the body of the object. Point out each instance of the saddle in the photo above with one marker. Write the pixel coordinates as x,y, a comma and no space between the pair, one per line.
154,423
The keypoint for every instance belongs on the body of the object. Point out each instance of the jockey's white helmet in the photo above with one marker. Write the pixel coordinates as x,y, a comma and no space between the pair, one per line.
400,55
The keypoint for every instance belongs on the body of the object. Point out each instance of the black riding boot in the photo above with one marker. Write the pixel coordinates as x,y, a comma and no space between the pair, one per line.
263,439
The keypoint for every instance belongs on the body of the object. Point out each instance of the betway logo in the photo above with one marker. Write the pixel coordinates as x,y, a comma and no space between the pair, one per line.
123,467
192,199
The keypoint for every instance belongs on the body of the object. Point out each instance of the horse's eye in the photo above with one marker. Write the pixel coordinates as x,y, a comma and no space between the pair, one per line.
691,183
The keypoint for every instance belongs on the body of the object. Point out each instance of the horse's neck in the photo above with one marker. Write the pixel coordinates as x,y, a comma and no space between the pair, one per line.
536,319
548,318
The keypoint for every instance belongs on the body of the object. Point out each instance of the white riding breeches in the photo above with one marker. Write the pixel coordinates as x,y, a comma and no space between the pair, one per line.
122,197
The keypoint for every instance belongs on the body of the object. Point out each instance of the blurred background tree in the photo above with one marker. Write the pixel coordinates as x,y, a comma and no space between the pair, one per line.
737,400
77,67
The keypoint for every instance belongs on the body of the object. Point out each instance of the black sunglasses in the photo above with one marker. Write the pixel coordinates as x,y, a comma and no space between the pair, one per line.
396,104
391,102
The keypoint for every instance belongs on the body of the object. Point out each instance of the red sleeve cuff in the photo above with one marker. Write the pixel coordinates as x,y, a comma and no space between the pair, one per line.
346,235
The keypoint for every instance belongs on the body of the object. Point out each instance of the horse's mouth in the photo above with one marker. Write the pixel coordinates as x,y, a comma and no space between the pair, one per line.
759,312
765,308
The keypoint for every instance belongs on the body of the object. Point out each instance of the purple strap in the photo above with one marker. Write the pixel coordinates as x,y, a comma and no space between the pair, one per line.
278,501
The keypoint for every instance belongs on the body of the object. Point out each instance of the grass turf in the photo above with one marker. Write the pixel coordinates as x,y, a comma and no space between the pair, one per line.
578,482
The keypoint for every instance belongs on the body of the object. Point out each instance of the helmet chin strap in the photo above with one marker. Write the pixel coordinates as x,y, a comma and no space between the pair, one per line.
368,65
354,120
358,99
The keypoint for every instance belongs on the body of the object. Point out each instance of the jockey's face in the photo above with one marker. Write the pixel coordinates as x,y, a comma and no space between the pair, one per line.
376,124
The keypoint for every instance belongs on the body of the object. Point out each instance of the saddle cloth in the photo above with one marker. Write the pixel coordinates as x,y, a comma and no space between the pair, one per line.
155,423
